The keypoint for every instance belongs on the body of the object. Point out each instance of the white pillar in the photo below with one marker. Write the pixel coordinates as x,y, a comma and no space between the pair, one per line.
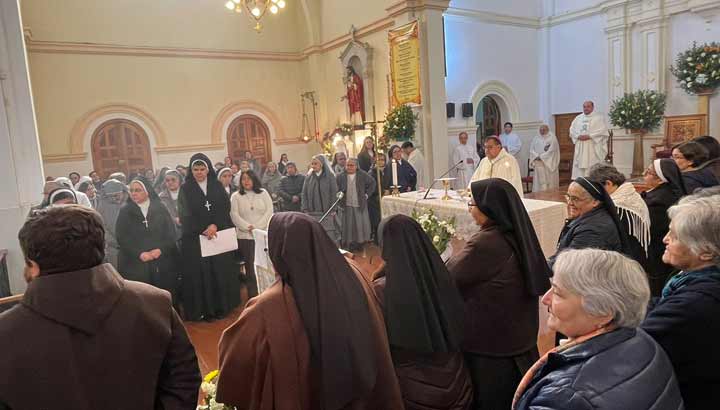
433,116
20,161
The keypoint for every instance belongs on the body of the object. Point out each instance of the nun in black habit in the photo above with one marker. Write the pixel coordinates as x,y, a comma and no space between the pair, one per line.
501,272
146,235
423,314
210,285
667,187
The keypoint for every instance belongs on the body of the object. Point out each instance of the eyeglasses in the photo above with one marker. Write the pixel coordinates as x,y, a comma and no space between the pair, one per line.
471,205
574,199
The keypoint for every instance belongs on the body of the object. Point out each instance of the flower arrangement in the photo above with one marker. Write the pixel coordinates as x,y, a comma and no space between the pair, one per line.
400,124
439,231
209,389
641,110
697,69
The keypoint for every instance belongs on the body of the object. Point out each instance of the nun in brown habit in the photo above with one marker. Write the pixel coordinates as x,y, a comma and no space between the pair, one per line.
315,340
424,319
500,272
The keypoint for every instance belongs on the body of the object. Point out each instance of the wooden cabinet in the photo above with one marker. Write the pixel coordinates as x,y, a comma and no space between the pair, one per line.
567,148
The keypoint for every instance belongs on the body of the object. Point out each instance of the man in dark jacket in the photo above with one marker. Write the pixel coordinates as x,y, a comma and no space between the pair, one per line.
83,338
291,188
684,321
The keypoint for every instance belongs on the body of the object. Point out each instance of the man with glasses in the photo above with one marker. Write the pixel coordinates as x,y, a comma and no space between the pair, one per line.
498,164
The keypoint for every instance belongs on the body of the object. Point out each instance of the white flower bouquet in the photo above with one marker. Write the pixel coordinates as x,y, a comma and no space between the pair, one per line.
439,231
209,389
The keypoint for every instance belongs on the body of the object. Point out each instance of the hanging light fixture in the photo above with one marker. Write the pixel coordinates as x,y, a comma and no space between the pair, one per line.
255,9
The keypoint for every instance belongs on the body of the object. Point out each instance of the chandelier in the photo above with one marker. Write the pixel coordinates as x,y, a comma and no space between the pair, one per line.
255,9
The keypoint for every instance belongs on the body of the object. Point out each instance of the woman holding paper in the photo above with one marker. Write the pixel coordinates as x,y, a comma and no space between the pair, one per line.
251,208
146,235
210,285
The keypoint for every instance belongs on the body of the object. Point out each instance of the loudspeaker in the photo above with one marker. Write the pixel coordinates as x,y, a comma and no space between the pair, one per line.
467,110
450,110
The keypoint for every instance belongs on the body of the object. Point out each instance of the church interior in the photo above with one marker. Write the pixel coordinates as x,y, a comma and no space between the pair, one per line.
133,86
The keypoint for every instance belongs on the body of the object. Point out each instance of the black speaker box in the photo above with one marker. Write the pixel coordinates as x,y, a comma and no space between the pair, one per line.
450,110
467,110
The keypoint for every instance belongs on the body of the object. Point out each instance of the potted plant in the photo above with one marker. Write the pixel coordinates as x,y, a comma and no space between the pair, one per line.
639,112
400,124
697,69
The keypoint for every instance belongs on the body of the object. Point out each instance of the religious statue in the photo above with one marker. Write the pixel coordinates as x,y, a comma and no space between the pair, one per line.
355,97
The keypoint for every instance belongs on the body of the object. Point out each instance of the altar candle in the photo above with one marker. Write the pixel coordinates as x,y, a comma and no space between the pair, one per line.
394,173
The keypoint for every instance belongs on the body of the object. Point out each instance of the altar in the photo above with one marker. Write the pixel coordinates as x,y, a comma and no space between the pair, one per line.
547,217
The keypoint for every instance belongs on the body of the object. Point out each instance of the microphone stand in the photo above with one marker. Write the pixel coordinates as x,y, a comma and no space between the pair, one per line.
441,176
340,196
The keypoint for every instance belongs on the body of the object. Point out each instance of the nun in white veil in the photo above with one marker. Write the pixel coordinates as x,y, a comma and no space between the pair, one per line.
545,159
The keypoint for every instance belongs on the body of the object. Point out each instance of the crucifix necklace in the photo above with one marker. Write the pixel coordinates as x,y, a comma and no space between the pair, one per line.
208,205
146,223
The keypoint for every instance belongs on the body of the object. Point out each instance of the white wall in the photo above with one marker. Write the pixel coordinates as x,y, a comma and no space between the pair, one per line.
520,8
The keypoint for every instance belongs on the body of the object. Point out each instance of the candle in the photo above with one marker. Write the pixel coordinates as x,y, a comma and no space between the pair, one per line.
394,173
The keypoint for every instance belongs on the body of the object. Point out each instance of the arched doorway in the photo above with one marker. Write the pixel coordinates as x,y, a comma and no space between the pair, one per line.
120,145
489,121
249,133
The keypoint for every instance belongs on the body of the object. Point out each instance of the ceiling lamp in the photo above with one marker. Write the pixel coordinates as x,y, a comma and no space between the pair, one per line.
256,9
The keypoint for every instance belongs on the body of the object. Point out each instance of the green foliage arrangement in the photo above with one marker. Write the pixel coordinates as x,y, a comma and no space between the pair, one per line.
641,110
400,124
439,231
697,69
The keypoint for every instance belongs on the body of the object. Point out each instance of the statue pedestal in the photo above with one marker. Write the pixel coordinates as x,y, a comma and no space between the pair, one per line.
638,160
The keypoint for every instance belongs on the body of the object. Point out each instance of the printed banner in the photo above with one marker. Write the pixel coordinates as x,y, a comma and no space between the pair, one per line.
405,64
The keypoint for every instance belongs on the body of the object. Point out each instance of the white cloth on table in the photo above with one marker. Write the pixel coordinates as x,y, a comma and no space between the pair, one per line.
504,166
592,151
545,157
470,160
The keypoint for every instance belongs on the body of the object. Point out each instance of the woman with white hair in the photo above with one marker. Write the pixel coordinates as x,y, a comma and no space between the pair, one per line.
685,319
598,299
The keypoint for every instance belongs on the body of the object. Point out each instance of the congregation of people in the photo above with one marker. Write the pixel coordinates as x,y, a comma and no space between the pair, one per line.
633,290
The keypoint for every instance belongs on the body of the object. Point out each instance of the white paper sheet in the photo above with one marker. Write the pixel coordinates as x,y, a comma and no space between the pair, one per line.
225,241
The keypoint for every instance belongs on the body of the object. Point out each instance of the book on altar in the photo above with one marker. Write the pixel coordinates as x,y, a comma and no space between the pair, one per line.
225,241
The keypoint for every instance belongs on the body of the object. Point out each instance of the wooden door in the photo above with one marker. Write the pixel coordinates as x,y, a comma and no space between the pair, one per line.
120,145
249,133
567,148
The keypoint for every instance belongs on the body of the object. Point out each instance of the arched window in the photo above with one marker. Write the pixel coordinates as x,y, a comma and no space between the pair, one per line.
249,133
120,145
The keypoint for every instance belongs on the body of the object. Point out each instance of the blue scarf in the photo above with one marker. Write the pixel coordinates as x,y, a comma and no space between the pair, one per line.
683,278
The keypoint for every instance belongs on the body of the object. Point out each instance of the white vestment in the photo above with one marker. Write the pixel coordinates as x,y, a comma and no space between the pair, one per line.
512,143
545,157
592,151
504,166
417,160
464,171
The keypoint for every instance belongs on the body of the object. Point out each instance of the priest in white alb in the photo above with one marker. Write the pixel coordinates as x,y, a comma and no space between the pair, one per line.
589,134
545,157
467,158
498,164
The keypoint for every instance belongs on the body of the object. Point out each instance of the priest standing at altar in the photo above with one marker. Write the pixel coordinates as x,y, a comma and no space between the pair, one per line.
467,154
545,159
498,163
589,134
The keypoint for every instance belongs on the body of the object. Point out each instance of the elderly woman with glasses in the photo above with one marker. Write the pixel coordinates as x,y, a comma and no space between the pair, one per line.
598,299
684,321
592,222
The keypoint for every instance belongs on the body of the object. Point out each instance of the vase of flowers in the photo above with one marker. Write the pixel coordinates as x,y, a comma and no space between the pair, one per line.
439,231
209,389
639,112
400,124
697,69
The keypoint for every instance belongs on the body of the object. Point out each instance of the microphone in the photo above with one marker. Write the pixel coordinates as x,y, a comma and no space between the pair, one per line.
441,176
340,195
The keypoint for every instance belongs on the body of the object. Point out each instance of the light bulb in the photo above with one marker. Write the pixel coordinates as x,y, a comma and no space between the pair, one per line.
273,9
281,4
256,12
230,5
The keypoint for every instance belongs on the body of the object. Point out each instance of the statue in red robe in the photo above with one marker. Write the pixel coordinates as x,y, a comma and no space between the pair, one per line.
355,97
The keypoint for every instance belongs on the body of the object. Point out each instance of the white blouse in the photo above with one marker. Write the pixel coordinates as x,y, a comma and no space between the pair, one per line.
250,209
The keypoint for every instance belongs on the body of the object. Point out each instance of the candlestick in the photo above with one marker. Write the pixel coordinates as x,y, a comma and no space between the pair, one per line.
394,173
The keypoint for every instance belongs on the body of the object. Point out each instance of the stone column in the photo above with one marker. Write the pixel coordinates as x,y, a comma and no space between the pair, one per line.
433,120
20,160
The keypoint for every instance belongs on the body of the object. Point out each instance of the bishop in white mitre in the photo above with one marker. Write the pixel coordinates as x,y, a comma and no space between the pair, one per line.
545,157
498,164
467,158
589,134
